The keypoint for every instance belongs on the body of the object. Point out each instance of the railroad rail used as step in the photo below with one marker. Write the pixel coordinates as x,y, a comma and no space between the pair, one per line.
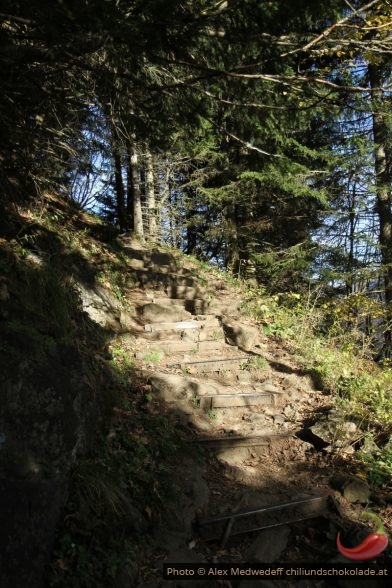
212,365
222,527
240,441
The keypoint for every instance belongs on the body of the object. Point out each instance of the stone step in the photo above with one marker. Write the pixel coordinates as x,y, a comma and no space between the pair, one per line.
208,329
197,306
159,278
210,345
209,320
168,347
159,313
183,346
234,399
212,365
177,335
185,291
166,301
161,259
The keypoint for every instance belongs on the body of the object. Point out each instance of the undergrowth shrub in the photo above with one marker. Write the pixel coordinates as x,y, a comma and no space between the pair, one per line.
327,339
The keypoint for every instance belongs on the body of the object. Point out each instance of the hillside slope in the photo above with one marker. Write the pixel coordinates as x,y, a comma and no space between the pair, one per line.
137,391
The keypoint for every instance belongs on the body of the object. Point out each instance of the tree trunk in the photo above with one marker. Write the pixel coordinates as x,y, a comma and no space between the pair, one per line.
163,202
351,241
129,204
191,226
382,168
150,193
115,146
119,188
233,254
136,194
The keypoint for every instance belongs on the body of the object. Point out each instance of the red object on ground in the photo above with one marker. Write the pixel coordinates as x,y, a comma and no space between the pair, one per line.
372,546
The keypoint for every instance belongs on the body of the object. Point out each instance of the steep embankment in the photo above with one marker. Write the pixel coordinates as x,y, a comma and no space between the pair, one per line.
55,389
209,417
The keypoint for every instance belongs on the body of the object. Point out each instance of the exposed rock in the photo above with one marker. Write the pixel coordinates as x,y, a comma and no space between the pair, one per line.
303,383
100,305
229,308
335,431
242,335
159,313
270,387
269,545
127,322
353,488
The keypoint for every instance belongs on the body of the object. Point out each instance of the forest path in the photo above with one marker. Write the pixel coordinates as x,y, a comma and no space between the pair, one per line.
240,399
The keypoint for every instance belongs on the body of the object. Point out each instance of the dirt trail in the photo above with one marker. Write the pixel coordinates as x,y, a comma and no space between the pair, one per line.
241,400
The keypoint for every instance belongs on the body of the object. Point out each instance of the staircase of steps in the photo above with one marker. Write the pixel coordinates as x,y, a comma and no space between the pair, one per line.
208,366
184,352
209,382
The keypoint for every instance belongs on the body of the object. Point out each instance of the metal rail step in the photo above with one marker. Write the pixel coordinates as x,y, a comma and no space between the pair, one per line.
222,527
212,365
240,441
